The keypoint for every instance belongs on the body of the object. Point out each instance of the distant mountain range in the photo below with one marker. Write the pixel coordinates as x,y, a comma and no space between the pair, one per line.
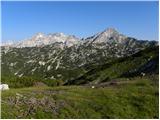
65,57
109,35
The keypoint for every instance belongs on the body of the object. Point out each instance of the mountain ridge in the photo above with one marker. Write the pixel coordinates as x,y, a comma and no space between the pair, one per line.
67,60
41,39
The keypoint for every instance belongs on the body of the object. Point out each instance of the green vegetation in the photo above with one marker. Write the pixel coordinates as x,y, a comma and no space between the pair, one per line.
137,98
20,82
146,61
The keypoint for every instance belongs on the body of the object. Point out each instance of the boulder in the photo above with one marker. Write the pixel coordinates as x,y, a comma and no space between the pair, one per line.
4,87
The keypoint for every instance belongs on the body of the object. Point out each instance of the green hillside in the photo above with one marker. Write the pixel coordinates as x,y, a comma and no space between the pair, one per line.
145,61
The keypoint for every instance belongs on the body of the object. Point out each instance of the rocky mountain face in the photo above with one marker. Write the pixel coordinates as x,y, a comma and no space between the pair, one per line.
41,39
60,56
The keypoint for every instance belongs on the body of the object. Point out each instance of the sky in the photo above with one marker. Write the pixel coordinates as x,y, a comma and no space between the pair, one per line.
21,20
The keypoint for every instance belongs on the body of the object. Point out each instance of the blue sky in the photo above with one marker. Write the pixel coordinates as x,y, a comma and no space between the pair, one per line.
21,20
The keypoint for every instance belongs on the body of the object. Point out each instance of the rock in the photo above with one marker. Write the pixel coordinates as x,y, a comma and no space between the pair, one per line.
143,74
93,86
4,87
33,100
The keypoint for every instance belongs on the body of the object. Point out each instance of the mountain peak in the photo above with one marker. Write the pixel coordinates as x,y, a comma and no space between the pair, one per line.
40,39
109,35
110,31
38,36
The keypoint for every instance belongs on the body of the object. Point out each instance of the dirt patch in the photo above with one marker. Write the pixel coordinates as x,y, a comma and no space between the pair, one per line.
111,83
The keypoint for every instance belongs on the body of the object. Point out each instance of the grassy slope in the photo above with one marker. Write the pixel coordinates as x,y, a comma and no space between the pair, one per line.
119,67
136,99
16,82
